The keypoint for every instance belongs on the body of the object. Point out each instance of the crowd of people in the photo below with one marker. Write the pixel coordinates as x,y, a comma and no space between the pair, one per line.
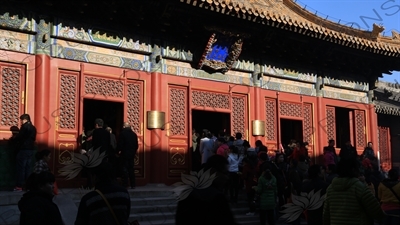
108,198
356,190
352,187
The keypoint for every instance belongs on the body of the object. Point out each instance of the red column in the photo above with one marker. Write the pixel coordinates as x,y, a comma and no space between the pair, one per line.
256,106
42,84
373,127
320,135
158,155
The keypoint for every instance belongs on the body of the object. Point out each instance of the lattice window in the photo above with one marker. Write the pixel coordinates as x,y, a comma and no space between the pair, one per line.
384,147
134,106
291,109
178,111
308,123
239,115
270,120
212,100
330,123
68,99
104,87
360,128
10,96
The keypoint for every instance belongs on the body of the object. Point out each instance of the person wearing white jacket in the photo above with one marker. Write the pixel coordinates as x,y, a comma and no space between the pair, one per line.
234,159
206,146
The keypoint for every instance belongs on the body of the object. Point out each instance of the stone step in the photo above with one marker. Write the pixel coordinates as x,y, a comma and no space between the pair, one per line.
153,201
10,198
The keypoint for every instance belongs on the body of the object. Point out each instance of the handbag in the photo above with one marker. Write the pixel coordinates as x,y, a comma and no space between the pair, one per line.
109,206
135,222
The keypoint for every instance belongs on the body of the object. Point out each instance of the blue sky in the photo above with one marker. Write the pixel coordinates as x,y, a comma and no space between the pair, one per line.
360,14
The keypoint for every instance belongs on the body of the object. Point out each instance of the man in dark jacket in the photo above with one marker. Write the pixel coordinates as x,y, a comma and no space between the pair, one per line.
127,146
101,137
348,152
26,144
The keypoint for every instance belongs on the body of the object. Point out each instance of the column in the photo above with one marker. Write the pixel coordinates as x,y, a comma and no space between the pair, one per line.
158,154
258,124
44,124
321,135
373,122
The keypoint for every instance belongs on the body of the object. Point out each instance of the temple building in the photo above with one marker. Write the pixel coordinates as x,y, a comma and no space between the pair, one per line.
387,104
270,70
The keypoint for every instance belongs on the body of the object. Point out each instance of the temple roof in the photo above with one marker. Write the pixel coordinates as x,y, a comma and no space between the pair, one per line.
387,98
286,14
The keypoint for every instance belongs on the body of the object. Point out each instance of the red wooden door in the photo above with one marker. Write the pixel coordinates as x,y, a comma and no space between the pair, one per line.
359,131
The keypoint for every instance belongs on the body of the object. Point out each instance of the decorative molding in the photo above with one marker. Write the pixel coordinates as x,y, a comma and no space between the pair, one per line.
15,41
99,55
43,40
77,33
66,153
15,22
221,52
291,109
177,156
276,84
346,84
211,100
347,95
395,111
175,51
104,87
290,74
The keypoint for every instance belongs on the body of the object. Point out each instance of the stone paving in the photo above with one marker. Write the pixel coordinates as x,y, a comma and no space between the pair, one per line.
67,203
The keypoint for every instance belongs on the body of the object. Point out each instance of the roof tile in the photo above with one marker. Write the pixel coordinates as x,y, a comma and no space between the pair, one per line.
288,12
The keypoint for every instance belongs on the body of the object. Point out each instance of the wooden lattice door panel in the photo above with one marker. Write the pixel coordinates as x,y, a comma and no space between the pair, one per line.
66,117
359,130
270,120
384,147
239,115
178,134
134,116
12,86
330,123
308,127
68,100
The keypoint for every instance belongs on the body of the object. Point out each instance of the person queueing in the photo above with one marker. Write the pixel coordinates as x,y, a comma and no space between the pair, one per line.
127,147
36,205
26,144
42,160
267,189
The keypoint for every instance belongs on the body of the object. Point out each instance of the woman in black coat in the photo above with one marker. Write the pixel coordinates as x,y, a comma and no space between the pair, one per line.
36,205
